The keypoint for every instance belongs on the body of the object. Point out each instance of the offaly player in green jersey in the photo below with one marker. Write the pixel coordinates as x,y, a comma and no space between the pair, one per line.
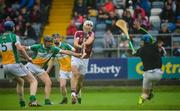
64,62
44,53
9,47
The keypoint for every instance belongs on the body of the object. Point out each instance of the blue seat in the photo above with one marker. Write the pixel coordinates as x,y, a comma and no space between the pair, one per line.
99,34
157,4
93,19
70,41
100,27
153,32
98,46
28,42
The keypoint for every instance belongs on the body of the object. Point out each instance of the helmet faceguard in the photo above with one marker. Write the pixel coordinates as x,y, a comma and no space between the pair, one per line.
88,22
57,38
56,35
48,39
88,25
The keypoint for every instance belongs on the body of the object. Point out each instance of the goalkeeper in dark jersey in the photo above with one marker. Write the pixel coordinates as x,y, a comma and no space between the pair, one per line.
150,54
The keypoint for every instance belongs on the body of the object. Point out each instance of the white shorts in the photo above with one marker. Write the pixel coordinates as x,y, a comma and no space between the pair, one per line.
15,70
65,74
81,64
34,69
151,76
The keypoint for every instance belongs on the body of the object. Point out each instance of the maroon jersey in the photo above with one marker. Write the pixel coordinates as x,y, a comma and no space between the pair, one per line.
82,36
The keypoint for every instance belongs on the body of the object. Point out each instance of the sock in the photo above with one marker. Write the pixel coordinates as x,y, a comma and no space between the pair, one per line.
73,94
79,94
22,103
47,99
73,91
21,99
32,98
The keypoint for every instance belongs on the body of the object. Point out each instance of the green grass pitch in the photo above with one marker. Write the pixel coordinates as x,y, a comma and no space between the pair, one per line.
100,98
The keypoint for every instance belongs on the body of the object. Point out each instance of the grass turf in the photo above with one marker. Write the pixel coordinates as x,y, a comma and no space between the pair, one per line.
100,98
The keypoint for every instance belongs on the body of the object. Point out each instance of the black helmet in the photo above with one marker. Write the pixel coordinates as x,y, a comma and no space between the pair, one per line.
48,39
8,25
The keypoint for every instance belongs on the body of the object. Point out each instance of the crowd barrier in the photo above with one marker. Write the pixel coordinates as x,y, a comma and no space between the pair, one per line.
129,68
122,68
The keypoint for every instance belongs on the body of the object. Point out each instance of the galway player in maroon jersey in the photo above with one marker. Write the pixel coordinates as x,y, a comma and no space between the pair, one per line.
83,42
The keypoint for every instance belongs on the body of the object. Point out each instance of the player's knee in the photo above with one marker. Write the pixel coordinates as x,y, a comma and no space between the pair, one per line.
20,82
81,77
76,75
63,86
74,70
48,83
32,80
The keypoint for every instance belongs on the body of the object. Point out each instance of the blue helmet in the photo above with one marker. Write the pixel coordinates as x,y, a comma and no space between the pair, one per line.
8,25
147,38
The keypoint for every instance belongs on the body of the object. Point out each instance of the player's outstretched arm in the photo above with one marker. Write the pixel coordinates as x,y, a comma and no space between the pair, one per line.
70,53
22,50
50,65
25,47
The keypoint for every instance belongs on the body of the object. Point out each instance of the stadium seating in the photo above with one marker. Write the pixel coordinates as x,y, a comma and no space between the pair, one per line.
94,20
100,27
59,17
98,45
153,32
119,3
99,34
157,4
70,40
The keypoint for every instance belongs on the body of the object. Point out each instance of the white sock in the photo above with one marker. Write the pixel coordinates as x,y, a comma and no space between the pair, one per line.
73,94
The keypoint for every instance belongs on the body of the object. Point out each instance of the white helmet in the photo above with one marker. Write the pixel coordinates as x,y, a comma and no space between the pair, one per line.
88,22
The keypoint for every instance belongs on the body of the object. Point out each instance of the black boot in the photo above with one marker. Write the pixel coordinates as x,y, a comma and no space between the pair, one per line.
64,101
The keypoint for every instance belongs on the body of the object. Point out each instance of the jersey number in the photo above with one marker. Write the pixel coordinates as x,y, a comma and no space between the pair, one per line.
3,47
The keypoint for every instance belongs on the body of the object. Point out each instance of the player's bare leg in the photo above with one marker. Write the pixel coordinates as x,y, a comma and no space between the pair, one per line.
146,89
144,96
74,81
47,89
145,93
63,91
83,53
79,87
33,88
20,91
151,95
